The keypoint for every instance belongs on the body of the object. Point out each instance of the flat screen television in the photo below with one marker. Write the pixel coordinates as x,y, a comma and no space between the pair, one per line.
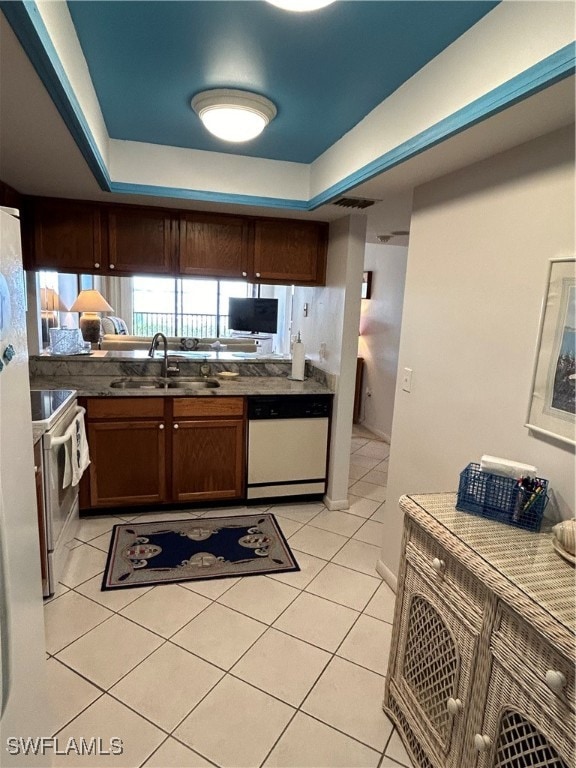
253,315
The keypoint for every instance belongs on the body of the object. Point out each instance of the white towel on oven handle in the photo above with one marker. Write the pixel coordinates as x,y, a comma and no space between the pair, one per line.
77,455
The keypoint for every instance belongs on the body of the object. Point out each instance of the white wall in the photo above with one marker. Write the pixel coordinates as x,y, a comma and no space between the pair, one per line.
380,323
333,319
480,241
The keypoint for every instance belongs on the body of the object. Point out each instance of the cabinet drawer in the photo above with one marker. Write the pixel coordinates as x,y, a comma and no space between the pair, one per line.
203,406
532,659
125,407
457,585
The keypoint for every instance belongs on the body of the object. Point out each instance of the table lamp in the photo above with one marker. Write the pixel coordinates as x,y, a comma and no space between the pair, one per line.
91,303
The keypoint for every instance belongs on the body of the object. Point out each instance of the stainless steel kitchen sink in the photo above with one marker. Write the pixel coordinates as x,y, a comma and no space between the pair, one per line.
142,382
192,382
179,382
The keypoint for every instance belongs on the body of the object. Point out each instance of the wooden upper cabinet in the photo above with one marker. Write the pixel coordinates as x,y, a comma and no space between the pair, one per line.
67,236
141,240
290,251
82,236
214,245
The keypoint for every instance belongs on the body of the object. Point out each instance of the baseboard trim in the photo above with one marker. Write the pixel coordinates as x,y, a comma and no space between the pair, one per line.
387,575
377,432
335,504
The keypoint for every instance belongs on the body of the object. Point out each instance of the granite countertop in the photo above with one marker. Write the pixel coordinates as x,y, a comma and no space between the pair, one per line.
92,376
99,386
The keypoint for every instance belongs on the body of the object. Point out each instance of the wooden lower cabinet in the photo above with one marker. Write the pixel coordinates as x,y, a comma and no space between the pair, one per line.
207,460
158,450
128,463
208,448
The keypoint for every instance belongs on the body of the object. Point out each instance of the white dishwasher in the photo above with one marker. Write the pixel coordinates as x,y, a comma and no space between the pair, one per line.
287,445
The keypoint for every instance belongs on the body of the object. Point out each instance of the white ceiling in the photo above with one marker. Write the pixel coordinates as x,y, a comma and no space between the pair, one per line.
39,157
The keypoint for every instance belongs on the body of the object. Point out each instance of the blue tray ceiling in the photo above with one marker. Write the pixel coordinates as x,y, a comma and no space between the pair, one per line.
324,70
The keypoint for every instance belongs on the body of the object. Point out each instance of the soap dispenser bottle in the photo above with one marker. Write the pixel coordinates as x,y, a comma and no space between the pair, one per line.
298,360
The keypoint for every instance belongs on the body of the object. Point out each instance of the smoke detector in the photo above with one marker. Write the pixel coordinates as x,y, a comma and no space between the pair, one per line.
384,238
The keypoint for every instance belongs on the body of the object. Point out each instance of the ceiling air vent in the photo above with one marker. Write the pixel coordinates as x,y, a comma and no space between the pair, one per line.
354,202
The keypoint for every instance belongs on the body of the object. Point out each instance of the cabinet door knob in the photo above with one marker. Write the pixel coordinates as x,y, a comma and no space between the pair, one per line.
257,274
97,265
112,266
175,426
481,742
160,426
438,565
555,680
454,706
244,274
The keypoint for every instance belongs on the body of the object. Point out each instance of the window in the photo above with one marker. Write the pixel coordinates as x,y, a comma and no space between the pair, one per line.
186,307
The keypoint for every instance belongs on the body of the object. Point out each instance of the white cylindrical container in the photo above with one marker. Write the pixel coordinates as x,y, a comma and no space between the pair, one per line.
298,360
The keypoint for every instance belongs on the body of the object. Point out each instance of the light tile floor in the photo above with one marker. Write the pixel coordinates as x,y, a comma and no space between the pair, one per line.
285,670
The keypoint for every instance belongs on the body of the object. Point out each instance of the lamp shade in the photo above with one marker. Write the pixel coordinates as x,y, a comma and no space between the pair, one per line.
90,301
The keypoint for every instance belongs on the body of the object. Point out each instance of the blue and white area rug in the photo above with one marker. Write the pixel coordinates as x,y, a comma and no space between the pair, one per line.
142,554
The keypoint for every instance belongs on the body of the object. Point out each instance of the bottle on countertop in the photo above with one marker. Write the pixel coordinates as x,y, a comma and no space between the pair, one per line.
298,359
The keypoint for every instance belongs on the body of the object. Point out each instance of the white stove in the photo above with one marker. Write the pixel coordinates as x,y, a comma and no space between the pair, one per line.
56,410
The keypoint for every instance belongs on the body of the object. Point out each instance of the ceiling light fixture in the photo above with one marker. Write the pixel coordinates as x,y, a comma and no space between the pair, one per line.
301,5
233,115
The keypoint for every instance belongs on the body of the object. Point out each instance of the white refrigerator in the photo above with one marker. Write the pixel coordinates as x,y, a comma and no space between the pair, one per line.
23,693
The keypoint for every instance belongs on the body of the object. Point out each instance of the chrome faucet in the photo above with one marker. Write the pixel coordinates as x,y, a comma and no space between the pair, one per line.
154,346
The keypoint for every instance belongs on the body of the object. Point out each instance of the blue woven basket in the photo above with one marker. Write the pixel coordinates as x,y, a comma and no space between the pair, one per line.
500,498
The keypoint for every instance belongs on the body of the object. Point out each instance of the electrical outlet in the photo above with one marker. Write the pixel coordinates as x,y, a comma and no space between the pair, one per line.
407,380
368,392
323,351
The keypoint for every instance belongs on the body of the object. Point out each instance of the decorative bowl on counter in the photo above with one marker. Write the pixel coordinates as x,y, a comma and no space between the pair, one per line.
228,374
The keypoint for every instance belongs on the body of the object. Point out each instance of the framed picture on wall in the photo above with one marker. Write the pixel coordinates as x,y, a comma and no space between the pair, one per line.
552,408
366,285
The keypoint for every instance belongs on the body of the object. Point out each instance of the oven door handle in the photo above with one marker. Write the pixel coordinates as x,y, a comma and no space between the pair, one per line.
56,441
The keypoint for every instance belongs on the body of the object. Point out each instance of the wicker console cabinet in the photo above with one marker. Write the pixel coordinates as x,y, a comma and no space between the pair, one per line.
481,671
